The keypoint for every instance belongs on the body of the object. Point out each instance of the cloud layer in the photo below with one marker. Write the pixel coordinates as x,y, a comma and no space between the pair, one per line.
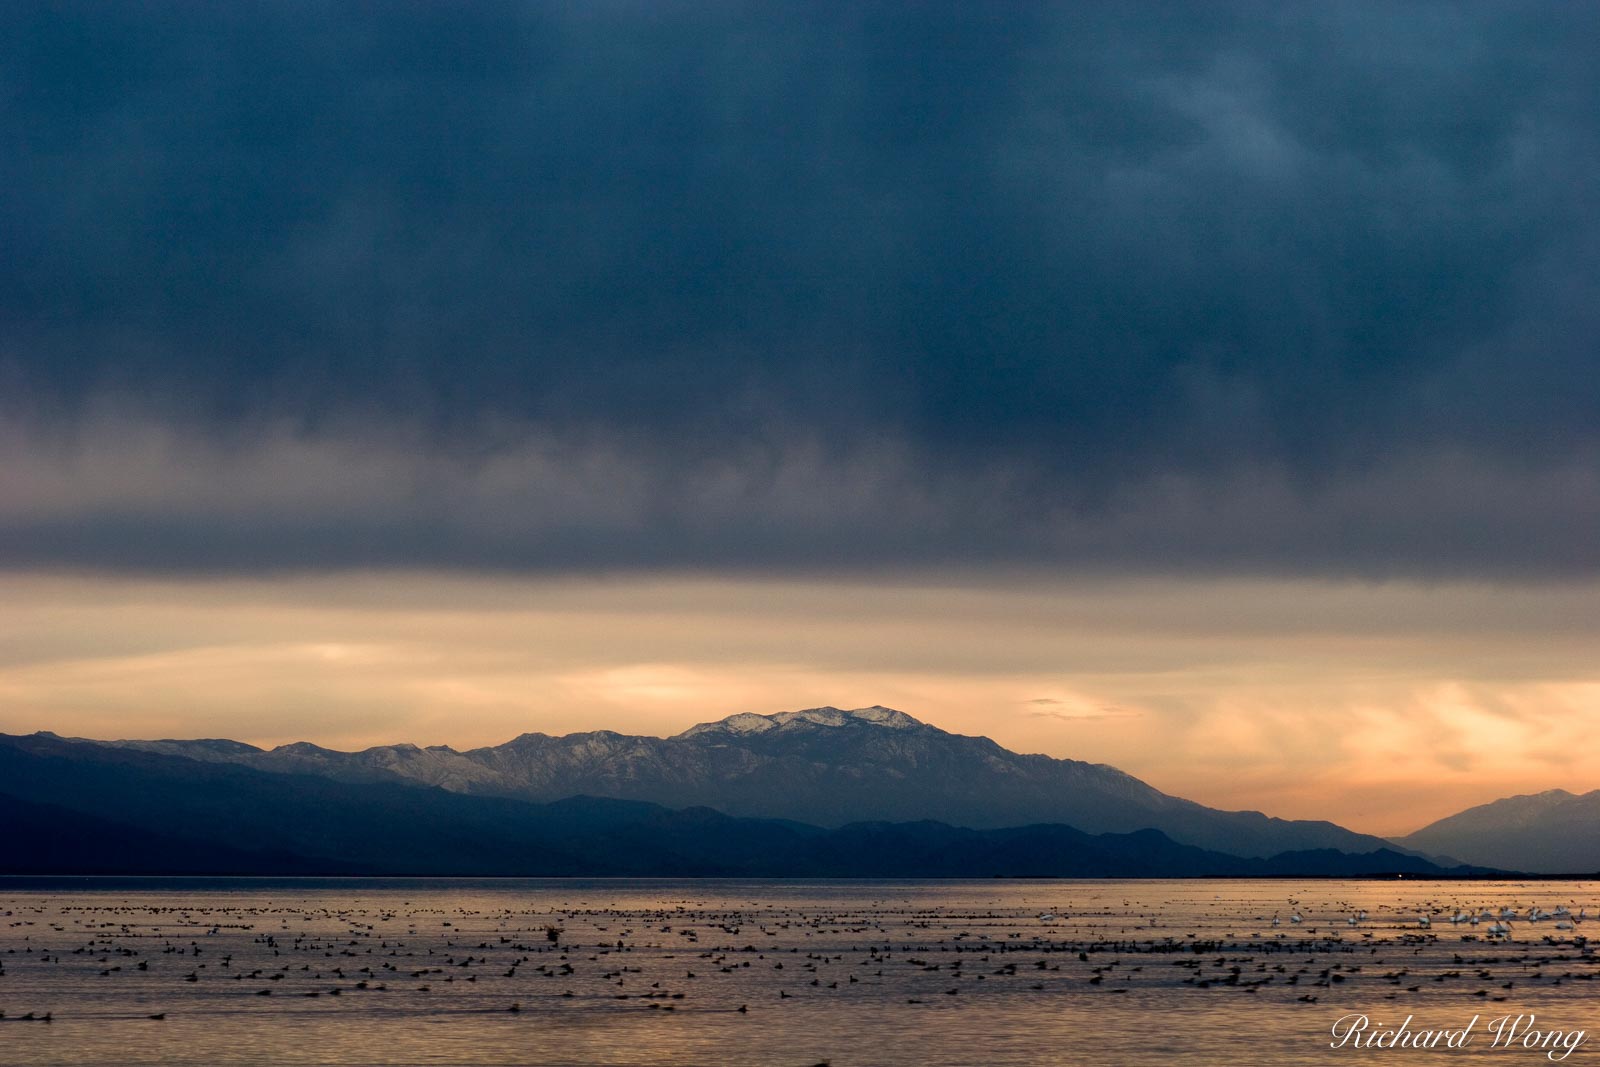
1208,287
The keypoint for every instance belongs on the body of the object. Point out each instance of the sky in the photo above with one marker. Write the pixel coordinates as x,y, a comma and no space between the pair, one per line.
1204,388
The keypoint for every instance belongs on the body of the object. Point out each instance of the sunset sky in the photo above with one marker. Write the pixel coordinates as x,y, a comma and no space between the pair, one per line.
1207,389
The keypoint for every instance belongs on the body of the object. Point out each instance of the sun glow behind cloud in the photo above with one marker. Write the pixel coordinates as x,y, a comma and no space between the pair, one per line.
1381,706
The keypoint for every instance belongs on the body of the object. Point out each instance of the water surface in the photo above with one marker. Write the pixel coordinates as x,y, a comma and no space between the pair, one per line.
925,973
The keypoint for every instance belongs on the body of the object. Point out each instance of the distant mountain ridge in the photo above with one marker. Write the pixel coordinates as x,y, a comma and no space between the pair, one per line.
1554,832
78,807
823,766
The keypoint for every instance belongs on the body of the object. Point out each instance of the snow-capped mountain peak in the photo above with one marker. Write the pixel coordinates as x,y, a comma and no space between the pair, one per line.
746,724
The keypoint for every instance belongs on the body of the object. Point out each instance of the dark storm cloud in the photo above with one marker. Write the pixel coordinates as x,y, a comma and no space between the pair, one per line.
1162,286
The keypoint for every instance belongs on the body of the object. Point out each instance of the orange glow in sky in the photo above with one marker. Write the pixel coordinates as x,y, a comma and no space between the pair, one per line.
1381,707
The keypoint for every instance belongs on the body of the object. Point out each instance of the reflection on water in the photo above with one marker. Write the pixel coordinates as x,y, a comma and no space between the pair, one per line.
761,973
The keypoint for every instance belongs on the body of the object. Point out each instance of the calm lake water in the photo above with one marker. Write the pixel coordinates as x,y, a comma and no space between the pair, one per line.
699,972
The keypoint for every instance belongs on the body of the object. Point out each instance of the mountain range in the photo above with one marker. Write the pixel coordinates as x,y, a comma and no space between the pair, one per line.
821,766
1554,832
83,807
796,788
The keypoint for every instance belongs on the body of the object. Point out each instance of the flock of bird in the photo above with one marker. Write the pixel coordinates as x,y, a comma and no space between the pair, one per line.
113,959
1500,921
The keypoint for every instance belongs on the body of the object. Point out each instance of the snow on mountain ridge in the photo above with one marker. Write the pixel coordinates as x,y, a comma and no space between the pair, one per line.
747,723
